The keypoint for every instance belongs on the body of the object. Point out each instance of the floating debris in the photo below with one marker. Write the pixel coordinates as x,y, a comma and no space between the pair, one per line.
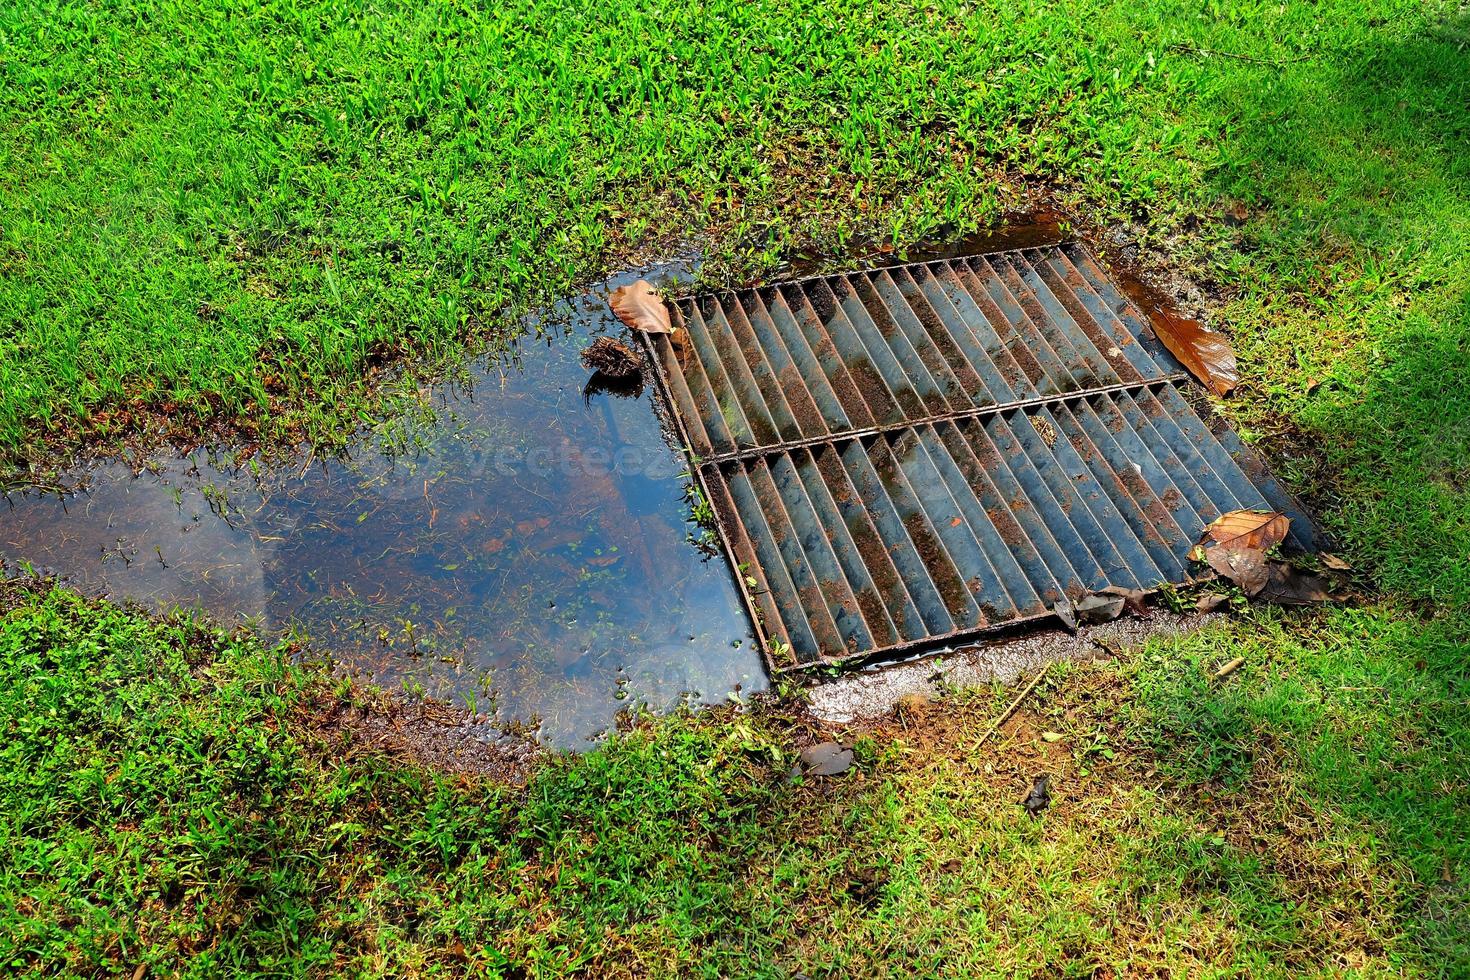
612,357
640,307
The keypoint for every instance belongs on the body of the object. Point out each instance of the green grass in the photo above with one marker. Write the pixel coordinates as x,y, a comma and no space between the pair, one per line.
165,801
222,208
210,210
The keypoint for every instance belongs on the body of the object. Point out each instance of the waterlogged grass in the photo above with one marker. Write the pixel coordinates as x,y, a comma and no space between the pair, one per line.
162,802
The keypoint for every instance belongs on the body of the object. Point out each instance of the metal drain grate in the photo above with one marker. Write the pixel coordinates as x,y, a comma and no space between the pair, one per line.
912,456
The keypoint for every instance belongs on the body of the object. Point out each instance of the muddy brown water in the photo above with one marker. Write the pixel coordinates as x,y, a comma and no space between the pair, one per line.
522,549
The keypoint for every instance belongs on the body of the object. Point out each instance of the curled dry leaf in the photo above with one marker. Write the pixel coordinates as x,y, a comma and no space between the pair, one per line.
640,307
1261,530
1067,613
1205,354
1040,796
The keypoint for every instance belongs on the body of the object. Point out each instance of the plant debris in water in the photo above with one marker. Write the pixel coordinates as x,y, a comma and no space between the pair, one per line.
612,357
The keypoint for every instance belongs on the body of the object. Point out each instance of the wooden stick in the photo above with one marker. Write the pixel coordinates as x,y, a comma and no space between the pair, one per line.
1005,715
1229,668
1191,49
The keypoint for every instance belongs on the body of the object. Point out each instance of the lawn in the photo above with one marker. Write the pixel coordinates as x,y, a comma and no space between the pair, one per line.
238,220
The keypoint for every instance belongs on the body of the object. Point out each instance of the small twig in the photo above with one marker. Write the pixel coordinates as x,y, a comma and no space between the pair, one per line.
1210,52
1005,715
1229,668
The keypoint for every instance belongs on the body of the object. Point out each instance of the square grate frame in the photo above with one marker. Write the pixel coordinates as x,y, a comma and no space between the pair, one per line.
906,458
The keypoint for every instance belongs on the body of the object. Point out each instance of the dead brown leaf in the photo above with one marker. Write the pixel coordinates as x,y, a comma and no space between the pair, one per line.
1289,586
1099,608
640,307
1246,567
1211,602
1136,600
1205,354
1247,529
1066,613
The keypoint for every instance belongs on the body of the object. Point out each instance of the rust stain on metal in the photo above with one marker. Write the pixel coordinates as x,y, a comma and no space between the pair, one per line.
908,457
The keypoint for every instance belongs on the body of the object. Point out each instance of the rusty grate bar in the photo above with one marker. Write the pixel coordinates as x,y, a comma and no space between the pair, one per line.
912,456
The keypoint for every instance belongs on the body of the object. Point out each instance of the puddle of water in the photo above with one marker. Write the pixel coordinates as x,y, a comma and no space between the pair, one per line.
527,554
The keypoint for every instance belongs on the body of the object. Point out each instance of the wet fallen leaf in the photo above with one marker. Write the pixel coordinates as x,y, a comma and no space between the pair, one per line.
603,561
1136,600
1246,567
640,307
1211,602
1040,796
825,759
1205,354
1099,608
1290,586
1258,529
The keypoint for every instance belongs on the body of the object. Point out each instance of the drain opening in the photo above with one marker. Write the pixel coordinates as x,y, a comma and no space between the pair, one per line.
914,456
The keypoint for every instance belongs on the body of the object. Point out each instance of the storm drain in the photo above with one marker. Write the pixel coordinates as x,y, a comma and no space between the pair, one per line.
914,456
